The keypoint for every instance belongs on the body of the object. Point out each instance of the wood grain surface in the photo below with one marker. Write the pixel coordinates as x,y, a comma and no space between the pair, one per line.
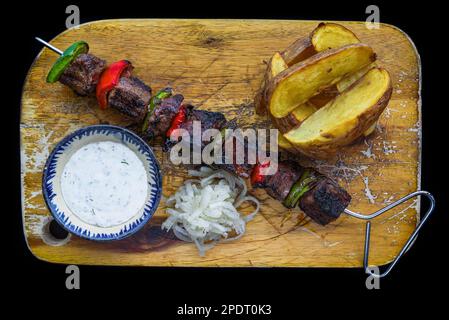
218,65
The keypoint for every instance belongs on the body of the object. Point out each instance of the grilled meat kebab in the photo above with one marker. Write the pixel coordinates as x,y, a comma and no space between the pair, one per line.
320,197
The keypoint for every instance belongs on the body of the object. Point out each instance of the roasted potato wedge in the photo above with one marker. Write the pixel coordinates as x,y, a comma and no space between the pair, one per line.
296,85
324,96
345,118
275,66
325,36
284,144
298,115
347,81
301,113
294,118
320,37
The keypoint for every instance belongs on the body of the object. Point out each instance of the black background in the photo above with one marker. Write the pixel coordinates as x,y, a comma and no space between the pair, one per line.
291,291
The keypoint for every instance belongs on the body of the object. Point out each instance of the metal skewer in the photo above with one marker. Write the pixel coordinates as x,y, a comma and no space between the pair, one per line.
49,46
359,215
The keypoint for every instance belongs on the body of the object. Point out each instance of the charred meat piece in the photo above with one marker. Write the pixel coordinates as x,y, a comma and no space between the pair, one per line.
231,164
279,184
131,97
162,116
325,201
242,170
206,119
83,73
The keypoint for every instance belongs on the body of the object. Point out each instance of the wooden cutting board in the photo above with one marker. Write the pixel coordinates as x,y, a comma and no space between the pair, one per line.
218,65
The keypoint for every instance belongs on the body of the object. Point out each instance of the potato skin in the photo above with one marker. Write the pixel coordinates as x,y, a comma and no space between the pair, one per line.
357,126
327,94
259,101
286,123
299,50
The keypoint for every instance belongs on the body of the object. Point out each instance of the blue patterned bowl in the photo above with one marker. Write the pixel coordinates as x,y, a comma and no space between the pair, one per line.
54,167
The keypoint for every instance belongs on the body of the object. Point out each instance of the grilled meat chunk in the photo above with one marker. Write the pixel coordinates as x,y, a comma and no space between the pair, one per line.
162,116
83,73
130,96
325,201
208,119
279,184
241,169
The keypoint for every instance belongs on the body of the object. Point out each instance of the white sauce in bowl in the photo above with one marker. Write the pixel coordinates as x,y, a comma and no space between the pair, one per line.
104,183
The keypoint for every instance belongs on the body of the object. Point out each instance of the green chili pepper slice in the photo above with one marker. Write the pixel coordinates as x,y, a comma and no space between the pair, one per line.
154,101
70,54
299,188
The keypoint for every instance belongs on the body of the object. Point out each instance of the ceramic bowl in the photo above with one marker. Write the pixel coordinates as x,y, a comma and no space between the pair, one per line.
54,167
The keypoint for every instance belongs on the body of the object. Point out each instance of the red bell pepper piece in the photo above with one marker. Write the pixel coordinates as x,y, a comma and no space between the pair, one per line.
177,120
256,176
109,79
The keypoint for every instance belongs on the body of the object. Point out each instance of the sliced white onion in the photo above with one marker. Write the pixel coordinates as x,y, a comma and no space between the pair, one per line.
205,211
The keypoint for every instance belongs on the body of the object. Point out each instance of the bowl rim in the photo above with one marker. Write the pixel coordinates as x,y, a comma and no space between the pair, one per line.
67,139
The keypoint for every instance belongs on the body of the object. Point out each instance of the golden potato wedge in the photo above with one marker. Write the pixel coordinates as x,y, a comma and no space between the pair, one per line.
332,35
302,113
284,144
298,115
325,36
295,85
345,118
324,96
275,66
329,93
347,81
294,118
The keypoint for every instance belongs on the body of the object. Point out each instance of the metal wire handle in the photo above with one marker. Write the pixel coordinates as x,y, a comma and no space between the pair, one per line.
383,210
